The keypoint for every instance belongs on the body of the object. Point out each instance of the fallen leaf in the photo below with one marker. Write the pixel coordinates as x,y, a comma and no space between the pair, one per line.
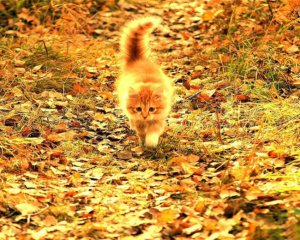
292,49
295,69
242,98
200,206
19,63
50,221
124,155
17,92
166,216
77,88
107,95
92,69
26,208
37,68
20,71
208,15
226,193
98,116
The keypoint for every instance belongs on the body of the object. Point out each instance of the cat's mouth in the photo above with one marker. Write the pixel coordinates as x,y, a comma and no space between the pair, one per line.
145,117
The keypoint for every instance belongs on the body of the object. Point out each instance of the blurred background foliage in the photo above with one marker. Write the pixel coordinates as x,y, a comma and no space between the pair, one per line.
19,15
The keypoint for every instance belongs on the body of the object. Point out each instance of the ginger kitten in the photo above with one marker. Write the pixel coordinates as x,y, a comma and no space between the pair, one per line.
144,91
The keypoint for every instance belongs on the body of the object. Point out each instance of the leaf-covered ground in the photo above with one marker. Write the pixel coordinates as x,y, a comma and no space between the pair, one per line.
228,163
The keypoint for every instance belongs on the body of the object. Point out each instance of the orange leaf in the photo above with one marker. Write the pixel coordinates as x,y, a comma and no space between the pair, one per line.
295,69
65,136
77,88
61,127
277,153
224,58
242,98
177,160
196,74
98,116
192,158
107,95
50,221
173,188
200,205
166,216
207,16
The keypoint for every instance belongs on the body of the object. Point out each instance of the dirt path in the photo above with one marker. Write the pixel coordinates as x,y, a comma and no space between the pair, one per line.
227,166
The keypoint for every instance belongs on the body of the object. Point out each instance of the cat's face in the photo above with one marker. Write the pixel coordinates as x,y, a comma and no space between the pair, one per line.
145,104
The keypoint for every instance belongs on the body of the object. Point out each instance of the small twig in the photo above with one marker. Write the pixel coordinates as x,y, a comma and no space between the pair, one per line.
37,213
45,47
194,96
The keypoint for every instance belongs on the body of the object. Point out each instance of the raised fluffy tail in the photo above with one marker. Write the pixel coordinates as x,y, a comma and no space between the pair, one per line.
134,39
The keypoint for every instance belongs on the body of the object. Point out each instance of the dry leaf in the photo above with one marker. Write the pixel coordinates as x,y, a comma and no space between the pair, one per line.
98,116
200,206
77,88
292,49
107,95
37,68
242,98
17,92
166,216
19,63
208,15
26,208
20,71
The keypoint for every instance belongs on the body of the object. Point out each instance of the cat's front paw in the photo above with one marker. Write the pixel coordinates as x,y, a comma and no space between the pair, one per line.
151,140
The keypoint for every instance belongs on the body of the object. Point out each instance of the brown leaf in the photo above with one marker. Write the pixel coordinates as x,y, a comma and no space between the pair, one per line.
124,155
242,98
186,84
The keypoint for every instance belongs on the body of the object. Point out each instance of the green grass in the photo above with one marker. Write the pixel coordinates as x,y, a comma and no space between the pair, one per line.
234,140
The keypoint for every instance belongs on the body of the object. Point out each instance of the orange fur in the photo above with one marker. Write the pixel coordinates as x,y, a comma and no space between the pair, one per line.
144,91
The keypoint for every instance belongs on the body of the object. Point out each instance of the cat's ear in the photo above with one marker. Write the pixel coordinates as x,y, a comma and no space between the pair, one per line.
158,93
158,96
132,92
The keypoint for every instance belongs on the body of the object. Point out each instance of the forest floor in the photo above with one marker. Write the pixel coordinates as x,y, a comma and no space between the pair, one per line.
228,164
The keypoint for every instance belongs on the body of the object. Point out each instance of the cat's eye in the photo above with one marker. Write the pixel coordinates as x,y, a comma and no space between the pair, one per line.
138,109
151,109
